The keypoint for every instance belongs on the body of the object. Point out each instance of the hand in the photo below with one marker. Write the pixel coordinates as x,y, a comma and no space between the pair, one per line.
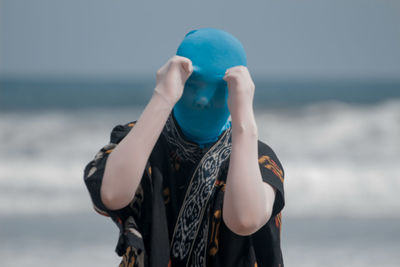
241,89
171,78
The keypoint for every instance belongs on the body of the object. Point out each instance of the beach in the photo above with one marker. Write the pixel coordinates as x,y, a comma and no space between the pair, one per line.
342,180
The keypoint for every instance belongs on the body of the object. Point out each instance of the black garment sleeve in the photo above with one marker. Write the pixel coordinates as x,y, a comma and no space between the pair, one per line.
129,219
266,241
272,173
94,171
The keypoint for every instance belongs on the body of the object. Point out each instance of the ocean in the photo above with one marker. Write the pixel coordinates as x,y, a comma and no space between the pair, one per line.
338,141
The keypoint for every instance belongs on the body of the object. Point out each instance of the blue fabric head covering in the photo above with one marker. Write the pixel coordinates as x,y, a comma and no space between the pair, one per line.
202,112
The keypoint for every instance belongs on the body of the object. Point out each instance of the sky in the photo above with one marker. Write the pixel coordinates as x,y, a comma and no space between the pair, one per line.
114,38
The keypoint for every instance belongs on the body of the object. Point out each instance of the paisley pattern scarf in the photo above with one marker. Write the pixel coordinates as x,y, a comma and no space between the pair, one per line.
189,240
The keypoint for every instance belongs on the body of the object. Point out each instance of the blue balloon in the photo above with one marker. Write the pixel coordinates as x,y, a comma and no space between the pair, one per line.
202,112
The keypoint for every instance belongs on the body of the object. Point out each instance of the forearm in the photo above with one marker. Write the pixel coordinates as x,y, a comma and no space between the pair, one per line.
245,207
126,163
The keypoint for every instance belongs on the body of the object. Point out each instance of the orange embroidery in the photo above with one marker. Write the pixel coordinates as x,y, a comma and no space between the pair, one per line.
215,233
278,220
166,194
271,165
221,184
100,211
109,151
128,259
131,124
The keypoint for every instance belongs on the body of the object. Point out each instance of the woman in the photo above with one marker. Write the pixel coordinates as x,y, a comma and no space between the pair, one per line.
186,185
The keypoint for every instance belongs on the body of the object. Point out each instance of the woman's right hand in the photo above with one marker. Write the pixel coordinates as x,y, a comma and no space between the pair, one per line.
171,78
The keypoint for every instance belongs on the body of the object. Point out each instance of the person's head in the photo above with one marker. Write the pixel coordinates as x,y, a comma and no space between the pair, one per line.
202,112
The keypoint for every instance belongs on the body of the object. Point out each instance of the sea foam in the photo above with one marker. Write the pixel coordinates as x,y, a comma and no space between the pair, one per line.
339,159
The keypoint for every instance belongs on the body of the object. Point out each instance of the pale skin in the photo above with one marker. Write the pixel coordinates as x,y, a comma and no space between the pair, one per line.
248,201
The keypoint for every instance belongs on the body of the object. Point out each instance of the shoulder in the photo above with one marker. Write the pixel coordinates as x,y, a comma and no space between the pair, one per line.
264,148
266,153
272,173
269,161
119,131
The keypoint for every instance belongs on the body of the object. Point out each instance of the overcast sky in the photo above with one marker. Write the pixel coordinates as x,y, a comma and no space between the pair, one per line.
125,38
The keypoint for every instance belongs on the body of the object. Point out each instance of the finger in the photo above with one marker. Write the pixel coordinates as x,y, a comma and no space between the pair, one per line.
235,69
227,73
229,76
239,68
187,65
225,78
180,58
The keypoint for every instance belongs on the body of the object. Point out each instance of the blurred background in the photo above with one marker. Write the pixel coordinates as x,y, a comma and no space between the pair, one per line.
327,100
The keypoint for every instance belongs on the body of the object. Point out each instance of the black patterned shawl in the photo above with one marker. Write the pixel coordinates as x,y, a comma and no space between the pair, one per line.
175,217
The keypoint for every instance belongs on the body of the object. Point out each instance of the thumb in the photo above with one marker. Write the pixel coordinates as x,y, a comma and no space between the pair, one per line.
187,66
227,77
